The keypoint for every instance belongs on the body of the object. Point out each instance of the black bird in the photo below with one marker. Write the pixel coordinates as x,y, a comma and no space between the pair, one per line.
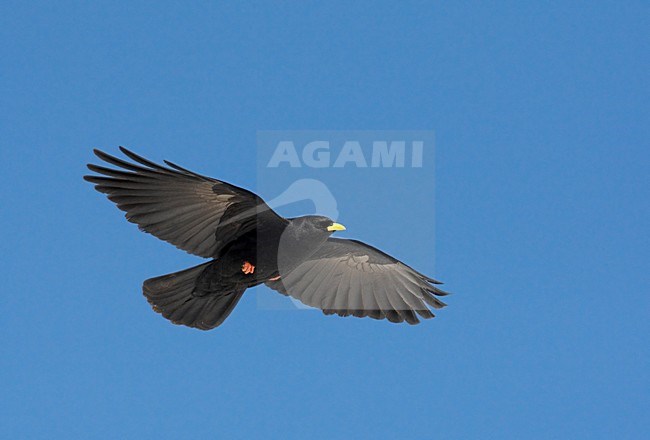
249,244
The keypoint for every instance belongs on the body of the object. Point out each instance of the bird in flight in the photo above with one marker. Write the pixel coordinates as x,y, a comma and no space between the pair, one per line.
250,244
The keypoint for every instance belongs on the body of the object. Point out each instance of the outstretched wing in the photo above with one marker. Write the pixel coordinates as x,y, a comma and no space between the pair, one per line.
348,277
193,212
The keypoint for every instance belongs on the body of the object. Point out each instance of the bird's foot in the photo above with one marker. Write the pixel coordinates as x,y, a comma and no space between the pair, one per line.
247,268
274,278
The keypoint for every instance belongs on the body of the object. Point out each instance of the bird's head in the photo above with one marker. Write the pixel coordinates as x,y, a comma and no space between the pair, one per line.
319,224
327,224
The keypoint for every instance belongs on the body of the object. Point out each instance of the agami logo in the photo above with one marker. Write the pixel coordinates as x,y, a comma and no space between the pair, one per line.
351,153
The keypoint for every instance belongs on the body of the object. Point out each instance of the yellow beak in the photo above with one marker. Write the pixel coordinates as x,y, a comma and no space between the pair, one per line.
336,227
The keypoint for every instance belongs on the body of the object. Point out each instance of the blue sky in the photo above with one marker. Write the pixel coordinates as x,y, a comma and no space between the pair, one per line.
541,218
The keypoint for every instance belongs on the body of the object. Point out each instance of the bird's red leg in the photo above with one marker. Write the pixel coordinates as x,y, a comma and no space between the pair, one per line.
247,268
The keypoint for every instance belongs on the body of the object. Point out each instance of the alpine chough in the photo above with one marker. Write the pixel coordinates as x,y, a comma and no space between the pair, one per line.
249,244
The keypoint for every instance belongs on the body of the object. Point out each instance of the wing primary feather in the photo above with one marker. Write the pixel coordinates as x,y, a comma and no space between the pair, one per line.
191,173
119,162
410,297
148,163
432,300
137,177
397,302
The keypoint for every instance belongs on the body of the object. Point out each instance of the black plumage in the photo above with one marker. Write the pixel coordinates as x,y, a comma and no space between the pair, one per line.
249,244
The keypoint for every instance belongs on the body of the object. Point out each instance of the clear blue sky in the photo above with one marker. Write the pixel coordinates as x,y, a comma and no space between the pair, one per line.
541,213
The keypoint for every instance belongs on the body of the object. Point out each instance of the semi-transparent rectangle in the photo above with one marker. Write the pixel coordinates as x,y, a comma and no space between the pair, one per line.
379,184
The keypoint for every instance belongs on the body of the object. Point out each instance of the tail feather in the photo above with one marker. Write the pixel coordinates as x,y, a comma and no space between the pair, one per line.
175,297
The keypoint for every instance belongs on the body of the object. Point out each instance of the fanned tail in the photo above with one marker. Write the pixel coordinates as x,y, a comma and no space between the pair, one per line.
175,296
